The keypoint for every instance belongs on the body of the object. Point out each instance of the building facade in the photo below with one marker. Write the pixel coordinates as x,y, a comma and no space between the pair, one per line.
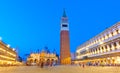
37,58
103,49
65,57
8,56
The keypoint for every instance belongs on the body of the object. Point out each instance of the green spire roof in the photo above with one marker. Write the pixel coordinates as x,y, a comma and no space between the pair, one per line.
64,13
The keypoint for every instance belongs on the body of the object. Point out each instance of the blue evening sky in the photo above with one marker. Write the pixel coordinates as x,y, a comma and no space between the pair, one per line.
29,25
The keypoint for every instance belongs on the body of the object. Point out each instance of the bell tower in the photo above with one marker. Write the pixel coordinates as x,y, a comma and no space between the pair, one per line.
65,56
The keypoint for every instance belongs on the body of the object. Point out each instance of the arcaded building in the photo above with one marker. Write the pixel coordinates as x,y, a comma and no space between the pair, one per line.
8,56
101,49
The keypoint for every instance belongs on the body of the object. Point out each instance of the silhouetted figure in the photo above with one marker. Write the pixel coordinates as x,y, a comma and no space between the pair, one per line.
48,62
83,65
42,64
51,63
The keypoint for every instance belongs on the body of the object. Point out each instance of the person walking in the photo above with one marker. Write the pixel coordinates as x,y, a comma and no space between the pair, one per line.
42,64
83,65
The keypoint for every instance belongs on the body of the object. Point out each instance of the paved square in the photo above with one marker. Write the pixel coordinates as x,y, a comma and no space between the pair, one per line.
59,69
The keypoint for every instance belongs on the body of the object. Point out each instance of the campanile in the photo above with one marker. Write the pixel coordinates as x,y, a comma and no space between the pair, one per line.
65,56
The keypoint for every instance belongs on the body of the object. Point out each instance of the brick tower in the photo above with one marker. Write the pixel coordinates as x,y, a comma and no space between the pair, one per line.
65,57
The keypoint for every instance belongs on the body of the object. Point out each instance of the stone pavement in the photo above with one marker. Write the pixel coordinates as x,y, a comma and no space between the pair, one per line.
59,69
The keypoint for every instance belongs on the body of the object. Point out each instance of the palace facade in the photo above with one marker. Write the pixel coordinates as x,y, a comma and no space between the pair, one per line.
102,49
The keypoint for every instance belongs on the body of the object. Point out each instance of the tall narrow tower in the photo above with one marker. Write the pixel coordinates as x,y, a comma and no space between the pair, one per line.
65,57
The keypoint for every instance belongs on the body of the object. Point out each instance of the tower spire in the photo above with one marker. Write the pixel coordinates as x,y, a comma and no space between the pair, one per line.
64,13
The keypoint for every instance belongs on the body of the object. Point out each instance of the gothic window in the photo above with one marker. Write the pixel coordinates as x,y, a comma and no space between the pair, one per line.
112,33
103,37
105,46
115,44
119,42
110,46
107,35
117,31
95,50
102,49
99,48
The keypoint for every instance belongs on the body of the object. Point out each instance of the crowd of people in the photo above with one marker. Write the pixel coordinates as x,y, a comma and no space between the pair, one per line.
97,64
47,63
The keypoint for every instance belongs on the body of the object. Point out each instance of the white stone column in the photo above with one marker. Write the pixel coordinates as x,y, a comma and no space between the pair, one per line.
118,46
112,46
110,35
108,48
95,51
114,32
